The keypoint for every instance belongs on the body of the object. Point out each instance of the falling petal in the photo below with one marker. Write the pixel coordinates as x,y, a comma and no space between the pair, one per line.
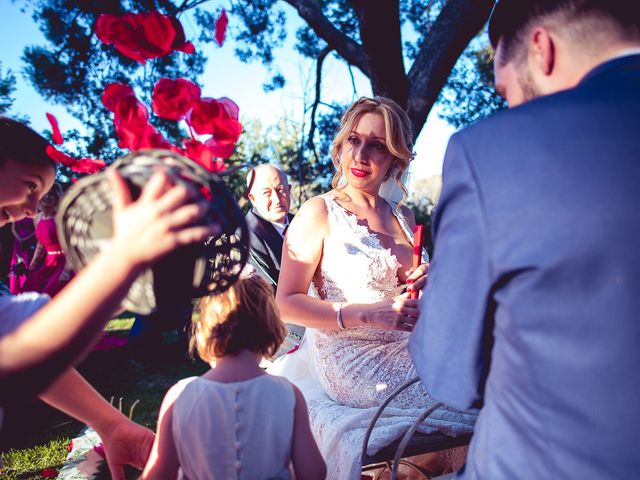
57,136
221,27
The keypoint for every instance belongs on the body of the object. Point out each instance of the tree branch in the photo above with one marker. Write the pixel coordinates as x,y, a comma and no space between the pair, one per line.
347,48
312,129
458,22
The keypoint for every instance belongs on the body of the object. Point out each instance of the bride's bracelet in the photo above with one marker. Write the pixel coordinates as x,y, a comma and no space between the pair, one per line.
339,317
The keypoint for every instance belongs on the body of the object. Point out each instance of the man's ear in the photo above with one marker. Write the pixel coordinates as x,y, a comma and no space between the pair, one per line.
250,196
542,51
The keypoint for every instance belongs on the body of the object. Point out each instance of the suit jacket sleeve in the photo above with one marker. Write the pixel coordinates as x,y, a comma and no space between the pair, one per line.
260,259
449,343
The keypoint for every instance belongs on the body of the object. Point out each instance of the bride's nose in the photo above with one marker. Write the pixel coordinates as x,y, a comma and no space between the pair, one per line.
359,154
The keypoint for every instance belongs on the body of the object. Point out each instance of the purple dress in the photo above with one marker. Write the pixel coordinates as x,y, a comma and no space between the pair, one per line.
46,278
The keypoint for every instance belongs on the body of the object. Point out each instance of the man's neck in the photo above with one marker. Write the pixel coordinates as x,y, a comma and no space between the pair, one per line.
614,51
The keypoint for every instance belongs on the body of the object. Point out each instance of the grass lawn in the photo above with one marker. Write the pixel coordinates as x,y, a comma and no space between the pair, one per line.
35,437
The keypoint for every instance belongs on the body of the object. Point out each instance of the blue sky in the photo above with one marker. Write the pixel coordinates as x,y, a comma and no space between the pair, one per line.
225,76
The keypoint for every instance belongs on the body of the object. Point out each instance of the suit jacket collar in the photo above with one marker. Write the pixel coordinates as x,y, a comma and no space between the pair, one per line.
626,63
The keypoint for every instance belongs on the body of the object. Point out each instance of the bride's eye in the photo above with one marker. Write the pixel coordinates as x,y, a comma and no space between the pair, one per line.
353,140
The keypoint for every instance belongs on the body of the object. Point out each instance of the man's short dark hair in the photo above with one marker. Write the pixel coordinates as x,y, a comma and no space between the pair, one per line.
21,144
510,17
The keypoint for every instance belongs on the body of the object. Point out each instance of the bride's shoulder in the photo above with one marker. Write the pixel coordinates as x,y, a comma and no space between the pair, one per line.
315,208
310,221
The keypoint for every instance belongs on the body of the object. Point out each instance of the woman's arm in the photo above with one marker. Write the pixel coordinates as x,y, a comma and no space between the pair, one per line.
161,220
307,460
301,254
125,442
38,255
163,461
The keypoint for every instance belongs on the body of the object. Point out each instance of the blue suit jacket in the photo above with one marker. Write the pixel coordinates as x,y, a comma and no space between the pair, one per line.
532,310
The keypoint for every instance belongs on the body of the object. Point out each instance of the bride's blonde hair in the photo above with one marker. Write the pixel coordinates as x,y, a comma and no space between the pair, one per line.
398,132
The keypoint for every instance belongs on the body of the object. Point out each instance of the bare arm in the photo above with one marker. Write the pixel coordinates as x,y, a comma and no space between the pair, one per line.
36,259
163,462
58,334
125,442
307,460
301,254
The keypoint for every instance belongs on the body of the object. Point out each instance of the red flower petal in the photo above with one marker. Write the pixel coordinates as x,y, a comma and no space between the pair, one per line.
114,93
206,193
136,138
187,48
180,42
49,473
57,136
203,113
221,27
122,32
222,149
131,112
60,157
199,153
70,446
88,165
226,130
156,34
172,99
142,36
230,106
100,448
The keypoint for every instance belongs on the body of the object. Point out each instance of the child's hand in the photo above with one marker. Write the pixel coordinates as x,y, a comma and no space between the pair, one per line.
163,218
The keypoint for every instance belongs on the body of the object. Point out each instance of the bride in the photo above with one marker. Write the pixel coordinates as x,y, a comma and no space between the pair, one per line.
345,265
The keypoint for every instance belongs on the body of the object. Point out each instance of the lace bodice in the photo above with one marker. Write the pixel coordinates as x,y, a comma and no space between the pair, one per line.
356,268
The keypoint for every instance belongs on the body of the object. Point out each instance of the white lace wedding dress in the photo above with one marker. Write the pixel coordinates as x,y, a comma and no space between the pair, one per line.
345,375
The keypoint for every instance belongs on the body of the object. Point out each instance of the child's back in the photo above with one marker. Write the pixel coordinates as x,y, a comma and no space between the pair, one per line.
239,430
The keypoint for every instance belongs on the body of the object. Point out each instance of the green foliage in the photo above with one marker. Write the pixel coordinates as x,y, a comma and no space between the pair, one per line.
73,68
469,94
7,87
28,463
278,144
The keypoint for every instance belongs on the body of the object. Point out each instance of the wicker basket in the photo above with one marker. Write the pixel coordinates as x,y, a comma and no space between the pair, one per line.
85,226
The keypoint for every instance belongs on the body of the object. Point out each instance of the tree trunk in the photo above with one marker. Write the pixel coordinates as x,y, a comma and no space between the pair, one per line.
457,24
379,56
379,24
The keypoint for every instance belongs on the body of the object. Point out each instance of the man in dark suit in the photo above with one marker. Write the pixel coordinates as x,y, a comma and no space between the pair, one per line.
532,310
270,195
268,219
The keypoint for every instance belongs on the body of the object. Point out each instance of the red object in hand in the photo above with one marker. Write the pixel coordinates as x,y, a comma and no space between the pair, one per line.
417,251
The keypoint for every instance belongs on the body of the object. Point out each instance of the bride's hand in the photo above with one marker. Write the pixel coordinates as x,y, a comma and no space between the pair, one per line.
417,278
398,313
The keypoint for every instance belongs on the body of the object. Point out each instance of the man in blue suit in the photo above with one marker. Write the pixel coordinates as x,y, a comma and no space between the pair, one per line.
532,311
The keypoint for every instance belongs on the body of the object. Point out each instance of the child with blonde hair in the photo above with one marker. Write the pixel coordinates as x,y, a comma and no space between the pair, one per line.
235,421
